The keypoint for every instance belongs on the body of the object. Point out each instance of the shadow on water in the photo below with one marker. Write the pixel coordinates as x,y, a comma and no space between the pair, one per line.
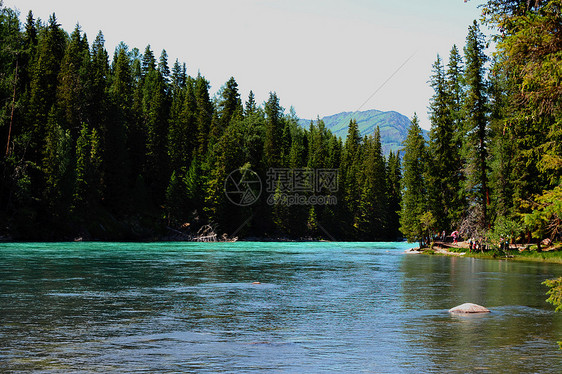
520,333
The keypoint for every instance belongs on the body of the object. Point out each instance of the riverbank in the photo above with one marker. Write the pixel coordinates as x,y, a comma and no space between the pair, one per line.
552,254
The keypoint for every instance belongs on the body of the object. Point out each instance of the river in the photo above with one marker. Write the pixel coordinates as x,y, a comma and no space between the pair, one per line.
269,307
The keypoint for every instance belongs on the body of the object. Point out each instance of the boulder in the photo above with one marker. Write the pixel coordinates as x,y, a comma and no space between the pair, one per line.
469,308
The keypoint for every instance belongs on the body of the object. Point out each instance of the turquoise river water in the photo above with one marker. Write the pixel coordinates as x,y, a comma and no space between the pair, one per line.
318,307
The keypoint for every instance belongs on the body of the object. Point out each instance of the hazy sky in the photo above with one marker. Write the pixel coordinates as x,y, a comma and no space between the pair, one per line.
320,56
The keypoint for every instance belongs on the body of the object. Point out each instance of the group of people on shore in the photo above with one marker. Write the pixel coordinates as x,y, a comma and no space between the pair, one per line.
475,245
455,235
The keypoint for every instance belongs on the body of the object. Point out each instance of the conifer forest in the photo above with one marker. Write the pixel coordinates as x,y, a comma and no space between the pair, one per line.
125,145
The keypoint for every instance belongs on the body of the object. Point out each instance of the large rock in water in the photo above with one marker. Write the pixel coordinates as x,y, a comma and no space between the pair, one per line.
469,308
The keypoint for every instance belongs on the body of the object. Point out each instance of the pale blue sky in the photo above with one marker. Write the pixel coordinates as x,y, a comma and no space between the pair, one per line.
320,56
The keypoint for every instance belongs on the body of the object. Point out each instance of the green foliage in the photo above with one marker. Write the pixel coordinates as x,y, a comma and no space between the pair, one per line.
546,214
475,150
203,115
100,149
528,117
58,168
444,170
506,230
428,223
273,131
555,295
373,204
555,292
414,203
229,107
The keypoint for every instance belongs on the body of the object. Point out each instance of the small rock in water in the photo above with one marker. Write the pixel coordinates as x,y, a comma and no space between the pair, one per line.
469,308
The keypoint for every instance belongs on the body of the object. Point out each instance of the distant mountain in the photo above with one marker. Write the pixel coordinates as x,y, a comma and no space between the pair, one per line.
393,126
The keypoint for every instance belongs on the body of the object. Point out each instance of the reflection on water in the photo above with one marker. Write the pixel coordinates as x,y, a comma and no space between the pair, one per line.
516,337
340,307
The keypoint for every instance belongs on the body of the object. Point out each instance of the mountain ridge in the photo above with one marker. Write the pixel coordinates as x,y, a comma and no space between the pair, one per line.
393,126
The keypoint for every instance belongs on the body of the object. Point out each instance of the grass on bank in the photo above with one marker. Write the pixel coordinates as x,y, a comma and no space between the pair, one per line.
552,254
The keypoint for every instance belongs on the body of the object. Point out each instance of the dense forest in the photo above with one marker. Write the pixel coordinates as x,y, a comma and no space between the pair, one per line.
134,148
492,166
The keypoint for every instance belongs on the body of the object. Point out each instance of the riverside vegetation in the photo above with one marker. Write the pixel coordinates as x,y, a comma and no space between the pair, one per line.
492,167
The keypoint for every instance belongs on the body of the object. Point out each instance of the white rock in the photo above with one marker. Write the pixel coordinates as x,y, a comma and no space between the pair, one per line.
469,308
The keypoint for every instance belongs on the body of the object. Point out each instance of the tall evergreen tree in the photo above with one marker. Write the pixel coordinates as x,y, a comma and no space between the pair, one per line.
148,61
502,146
250,107
444,170
98,87
50,52
204,115
117,169
58,169
87,172
73,84
455,93
476,124
350,172
30,41
229,107
155,119
163,67
372,221
178,78
273,131
394,178
414,203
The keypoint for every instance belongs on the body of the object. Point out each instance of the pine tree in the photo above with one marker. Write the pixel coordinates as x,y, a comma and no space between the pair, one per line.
229,107
50,52
350,172
163,67
455,94
250,107
28,53
58,168
394,193
73,82
444,170
117,169
273,131
454,77
148,61
502,146
99,75
155,124
318,145
414,203
475,148
87,171
178,78
372,219
204,115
